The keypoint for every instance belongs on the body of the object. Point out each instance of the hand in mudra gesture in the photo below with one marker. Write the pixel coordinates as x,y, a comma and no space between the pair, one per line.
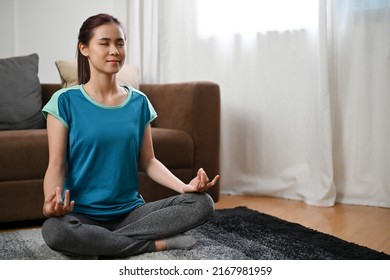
201,182
54,206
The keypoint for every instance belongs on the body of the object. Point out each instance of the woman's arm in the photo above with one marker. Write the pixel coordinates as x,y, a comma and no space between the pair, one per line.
162,175
55,174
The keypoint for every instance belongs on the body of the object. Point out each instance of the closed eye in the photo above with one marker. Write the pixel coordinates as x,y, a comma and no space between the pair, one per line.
120,43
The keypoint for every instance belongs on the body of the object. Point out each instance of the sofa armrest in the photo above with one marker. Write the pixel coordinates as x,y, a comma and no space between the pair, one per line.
193,107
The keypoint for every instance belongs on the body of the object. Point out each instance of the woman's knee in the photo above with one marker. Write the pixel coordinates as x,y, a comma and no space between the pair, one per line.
205,204
208,203
55,231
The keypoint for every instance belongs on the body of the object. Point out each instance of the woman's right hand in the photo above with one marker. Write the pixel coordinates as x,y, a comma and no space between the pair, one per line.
53,205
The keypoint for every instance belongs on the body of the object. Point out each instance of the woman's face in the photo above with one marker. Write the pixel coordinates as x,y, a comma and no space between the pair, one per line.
106,50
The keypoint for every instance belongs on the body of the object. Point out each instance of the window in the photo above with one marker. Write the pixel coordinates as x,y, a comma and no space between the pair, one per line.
226,17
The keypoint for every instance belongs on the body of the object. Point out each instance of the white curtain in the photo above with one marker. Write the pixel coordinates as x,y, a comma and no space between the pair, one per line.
361,101
305,89
143,33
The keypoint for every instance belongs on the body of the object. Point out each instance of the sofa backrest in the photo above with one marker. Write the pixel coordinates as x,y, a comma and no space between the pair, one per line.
47,91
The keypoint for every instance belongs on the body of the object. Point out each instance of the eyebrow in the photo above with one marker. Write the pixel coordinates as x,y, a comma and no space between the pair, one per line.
109,39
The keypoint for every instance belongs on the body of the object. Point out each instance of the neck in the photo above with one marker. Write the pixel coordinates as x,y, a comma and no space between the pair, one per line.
104,85
105,90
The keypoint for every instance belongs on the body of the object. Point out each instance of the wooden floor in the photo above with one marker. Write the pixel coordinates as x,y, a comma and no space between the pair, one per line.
363,225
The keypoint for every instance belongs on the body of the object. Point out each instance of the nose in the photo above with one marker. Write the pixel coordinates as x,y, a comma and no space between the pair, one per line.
113,50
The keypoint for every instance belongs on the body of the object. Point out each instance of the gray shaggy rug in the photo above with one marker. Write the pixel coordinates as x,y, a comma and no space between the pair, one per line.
231,234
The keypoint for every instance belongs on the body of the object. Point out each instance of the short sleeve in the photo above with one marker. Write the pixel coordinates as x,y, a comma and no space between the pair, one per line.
149,112
152,112
56,108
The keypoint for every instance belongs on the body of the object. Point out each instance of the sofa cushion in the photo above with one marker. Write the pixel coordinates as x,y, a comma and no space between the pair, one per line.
20,93
24,154
174,148
68,74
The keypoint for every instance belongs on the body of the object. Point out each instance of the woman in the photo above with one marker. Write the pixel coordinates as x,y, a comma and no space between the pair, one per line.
97,133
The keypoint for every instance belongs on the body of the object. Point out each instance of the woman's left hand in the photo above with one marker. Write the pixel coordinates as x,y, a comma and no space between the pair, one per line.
200,183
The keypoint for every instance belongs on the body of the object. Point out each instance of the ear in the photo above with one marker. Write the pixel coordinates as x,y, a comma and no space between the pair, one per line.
83,49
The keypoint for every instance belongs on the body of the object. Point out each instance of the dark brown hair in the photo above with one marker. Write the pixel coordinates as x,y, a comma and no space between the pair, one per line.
85,35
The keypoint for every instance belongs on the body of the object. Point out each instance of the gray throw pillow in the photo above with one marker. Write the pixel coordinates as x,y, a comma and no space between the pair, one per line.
20,93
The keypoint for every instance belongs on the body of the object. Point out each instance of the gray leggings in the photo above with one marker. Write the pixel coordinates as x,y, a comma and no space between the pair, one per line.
75,234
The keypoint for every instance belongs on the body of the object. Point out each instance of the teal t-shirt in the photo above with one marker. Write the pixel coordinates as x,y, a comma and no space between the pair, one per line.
104,143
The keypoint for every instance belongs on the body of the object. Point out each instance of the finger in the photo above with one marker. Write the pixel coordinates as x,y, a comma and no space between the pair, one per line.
214,181
199,174
66,200
70,207
50,208
58,205
205,181
204,176
58,195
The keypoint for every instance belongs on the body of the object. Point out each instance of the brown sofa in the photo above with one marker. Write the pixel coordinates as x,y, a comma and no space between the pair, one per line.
186,136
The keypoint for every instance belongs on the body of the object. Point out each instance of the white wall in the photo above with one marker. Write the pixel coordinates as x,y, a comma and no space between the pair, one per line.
49,28
7,28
